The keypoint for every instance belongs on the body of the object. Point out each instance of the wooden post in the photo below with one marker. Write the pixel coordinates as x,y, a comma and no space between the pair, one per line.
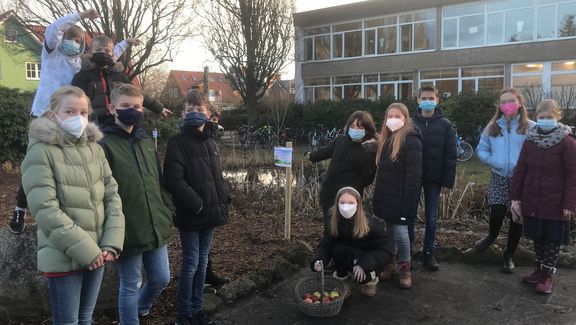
288,199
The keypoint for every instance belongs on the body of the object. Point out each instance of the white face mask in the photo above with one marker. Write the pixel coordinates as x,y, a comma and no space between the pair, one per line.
347,210
394,124
74,125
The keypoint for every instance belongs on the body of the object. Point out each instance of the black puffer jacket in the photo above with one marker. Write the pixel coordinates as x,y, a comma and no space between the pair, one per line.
98,84
439,148
193,175
373,250
397,190
352,165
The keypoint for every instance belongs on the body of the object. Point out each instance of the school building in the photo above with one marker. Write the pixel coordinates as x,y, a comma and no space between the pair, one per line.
392,47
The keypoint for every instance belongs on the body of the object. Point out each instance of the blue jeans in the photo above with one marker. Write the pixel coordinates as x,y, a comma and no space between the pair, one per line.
133,298
73,297
431,196
195,249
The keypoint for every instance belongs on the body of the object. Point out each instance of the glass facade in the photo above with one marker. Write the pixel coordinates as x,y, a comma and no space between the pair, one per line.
412,32
496,22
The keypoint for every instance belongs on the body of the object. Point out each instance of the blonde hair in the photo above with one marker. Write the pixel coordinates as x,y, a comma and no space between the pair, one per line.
58,96
549,105
361,227
494,129
125,90
399,137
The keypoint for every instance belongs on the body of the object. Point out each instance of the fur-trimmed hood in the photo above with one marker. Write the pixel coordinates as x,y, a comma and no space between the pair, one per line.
88,65
46,130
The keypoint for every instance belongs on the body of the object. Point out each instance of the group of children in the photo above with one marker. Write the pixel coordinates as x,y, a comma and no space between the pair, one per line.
95,186
533,181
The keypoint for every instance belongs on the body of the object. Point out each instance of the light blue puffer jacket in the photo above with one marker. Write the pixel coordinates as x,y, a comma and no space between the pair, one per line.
502,152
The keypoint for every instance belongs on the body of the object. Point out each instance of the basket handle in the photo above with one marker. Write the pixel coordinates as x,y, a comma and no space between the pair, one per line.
322,283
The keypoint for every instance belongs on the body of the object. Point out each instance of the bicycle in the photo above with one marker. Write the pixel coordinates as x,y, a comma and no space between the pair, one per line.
245,136
464,150
264,136
330,135
314,138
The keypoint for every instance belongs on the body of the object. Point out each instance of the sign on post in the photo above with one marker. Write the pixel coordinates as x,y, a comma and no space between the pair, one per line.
283,158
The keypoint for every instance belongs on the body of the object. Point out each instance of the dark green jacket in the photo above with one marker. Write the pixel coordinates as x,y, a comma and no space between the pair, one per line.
135,166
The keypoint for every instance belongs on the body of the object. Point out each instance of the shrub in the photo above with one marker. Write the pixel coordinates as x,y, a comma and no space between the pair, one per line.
14,111
470,112
166,126
234,118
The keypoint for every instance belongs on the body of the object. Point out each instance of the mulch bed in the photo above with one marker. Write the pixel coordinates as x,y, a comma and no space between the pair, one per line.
250,240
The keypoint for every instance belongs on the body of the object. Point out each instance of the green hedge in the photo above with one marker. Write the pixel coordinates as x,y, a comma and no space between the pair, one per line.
470,112
14,112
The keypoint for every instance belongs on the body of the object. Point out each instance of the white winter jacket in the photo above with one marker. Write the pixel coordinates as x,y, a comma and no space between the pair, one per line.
56,68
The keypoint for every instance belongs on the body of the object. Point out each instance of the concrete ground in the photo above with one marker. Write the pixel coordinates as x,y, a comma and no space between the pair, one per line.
457,294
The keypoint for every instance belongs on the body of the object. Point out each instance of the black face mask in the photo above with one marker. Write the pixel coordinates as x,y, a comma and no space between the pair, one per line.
102,59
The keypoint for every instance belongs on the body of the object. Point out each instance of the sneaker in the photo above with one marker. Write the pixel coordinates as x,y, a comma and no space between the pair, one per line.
18,222
210,290
202,319
186,321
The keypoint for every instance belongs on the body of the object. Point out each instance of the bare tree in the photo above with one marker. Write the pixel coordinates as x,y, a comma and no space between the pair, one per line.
252,41
162,25
564,95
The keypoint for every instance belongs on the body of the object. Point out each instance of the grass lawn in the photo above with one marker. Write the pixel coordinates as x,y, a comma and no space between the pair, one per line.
474,170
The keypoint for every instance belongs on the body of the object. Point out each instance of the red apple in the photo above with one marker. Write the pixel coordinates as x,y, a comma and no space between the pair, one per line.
326,300
308,301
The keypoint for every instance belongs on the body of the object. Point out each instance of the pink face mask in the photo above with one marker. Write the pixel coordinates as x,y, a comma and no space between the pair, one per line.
509,109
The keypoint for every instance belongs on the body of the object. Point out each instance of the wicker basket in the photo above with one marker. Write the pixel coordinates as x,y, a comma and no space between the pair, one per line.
318,283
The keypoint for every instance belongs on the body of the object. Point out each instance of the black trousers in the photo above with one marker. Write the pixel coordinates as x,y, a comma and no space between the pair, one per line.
497,215
344,257
21,201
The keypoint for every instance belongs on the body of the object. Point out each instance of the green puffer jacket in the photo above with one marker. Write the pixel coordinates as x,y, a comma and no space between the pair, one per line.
135,166
72,196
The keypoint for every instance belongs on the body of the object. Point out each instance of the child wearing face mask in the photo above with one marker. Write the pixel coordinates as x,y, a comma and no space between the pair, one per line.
543,191
352,161
74,201
398,179
134,162
64,44
100,74
499,147
193,175
357,242
438,164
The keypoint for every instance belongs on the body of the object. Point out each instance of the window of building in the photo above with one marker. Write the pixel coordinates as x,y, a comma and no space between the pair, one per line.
316,89
10,35
507,21
378,36
468,79
32,71
549,79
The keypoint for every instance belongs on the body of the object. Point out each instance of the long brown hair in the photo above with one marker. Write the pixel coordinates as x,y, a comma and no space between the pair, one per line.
365,120
399,137
494,129
361,226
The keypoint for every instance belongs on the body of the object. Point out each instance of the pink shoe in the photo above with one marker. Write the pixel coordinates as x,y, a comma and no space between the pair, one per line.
545,284
535,276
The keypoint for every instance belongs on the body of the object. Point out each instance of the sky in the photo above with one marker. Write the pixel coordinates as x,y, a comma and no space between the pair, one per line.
193,56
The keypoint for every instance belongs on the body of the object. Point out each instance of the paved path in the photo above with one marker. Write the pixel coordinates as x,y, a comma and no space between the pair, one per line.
457,294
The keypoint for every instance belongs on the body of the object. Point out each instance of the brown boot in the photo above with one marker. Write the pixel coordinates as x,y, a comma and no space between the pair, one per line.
369,289
389,270
405,275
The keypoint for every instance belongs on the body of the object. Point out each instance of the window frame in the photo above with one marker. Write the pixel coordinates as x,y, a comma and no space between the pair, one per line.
460,78
36,67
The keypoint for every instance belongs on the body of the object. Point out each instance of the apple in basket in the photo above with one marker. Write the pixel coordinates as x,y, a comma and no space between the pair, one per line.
309,300
334,294
317,294
326,300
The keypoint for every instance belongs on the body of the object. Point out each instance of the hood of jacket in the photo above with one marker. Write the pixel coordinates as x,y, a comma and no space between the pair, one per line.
46,130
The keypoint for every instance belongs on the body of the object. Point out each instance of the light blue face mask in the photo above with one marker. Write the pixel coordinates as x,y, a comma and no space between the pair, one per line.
70,47
547,124
427,105
356,135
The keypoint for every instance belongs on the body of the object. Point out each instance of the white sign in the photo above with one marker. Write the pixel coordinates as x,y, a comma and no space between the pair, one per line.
283,157
473,30
155,133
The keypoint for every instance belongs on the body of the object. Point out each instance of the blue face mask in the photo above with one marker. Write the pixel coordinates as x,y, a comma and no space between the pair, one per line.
195,119
427,105
70,47
129,116
547,124
356,135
